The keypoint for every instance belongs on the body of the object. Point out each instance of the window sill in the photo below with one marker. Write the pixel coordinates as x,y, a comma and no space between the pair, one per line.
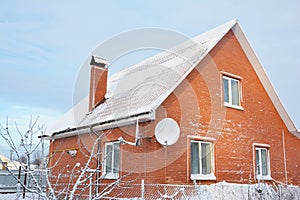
233,106
266,178
110,176
203,177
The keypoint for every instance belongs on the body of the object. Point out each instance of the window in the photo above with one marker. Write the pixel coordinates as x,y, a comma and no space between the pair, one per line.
111,160
232,93
202,164
262,163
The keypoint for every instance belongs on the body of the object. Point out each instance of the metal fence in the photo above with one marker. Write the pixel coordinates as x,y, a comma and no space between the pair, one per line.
205,192
144,191
8,182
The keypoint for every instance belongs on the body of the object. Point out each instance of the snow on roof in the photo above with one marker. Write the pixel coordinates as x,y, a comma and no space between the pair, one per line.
10,164
144,86
3,158
96,60
141,88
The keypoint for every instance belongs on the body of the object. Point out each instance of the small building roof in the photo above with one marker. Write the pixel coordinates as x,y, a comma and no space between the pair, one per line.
10,164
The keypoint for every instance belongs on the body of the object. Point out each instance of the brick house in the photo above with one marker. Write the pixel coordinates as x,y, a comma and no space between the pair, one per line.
232,124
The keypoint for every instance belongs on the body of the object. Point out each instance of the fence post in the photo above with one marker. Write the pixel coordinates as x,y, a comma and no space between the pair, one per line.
91,186
19,191
279,189
25,182
143,190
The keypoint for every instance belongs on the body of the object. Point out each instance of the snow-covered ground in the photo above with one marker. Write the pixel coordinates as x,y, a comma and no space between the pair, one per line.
233,191
28,196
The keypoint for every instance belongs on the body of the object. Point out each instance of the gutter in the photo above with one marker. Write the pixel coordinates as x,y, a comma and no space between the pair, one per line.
123,121
296,133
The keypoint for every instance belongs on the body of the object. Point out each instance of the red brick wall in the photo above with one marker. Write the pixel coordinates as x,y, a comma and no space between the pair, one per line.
259,122
197,106
98,85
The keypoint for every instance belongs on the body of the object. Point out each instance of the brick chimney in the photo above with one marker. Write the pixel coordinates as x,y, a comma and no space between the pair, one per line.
98,81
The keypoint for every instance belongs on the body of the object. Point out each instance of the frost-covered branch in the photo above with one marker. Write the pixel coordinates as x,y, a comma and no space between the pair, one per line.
79,179
61,182
29,146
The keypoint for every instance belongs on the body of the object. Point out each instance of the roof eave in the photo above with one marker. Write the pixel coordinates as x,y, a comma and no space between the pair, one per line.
142,117
296,133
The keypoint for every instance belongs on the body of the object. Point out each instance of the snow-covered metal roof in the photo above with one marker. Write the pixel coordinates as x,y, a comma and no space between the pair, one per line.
137,91
141,88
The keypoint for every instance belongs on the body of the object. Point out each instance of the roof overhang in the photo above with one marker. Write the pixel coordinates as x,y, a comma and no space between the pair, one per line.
142,117
263,77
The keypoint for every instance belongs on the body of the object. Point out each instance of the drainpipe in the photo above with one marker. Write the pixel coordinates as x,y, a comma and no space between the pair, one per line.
284,157
98,158
98,155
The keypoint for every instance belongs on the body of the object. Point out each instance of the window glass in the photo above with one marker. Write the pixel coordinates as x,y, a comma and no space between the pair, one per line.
231,91
226,90
195,168
116,157
262,162
201,158
235,92
111,159
257,162
206,158
109,152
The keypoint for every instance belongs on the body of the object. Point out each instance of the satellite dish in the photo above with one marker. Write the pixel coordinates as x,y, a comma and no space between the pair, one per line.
167,132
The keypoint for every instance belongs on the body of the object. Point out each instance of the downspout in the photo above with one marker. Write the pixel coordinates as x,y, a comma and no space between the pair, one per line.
98,158
284,157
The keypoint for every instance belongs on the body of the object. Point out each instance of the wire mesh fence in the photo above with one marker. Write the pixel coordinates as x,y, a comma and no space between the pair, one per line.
222,190
8,182
205,192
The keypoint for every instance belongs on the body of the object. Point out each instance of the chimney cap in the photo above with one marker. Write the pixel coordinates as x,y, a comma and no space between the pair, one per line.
98,61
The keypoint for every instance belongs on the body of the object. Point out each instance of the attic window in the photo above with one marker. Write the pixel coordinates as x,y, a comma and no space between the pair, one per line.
232,92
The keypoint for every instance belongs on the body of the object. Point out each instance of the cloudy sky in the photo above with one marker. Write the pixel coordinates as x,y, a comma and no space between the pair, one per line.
44,43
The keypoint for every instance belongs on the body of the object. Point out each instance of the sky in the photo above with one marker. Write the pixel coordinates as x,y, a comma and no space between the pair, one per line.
43,45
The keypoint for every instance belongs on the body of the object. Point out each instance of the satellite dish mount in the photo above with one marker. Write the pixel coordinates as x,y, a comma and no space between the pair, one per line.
137,141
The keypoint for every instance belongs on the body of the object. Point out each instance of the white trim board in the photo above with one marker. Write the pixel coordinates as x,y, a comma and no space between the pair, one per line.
257,66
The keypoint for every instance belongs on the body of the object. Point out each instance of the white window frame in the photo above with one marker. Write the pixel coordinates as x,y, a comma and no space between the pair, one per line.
230,104
111,174
261,176
201,176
